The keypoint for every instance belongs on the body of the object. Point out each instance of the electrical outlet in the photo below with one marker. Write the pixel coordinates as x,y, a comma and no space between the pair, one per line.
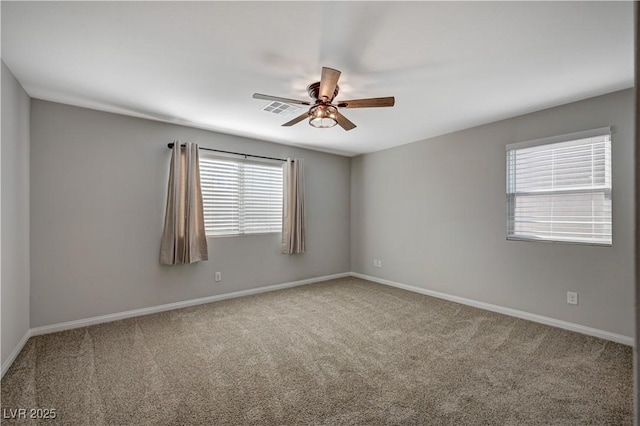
379,263
375,263
218,276
572,298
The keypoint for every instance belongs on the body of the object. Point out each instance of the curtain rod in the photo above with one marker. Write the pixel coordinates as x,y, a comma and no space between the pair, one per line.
234,153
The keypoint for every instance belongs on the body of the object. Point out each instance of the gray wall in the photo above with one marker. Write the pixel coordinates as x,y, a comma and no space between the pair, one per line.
434,213
98,191
14,155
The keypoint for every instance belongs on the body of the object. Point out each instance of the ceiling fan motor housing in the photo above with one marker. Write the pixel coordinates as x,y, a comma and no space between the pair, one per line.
314,89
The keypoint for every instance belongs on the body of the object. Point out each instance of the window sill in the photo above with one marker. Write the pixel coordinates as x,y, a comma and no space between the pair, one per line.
243,235
540,240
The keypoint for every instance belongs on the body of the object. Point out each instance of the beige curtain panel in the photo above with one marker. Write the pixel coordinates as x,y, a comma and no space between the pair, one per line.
184,239
293,239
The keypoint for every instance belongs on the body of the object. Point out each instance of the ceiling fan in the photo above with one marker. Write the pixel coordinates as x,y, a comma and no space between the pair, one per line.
323,112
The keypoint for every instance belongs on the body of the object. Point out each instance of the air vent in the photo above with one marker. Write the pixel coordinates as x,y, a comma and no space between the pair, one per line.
280,108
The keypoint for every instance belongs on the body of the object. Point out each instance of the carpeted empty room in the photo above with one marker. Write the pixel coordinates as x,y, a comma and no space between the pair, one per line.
319,213
346,351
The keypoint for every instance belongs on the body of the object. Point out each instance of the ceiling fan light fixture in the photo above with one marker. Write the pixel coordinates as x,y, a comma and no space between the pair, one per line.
323,116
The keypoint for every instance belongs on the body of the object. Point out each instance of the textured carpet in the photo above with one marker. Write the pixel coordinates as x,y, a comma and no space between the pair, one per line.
341,352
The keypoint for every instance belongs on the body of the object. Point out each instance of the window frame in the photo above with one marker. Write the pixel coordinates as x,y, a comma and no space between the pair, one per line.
510,196
239,159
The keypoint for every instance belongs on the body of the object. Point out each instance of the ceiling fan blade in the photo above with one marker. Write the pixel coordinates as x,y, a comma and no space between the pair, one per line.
368,103
283,100
344,122
328,83
297,119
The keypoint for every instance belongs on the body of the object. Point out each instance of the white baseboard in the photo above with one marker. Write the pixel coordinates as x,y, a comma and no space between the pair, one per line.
14,353
619,338
176,305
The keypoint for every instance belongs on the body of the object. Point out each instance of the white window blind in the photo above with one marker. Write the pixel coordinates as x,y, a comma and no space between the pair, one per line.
240,197
560,189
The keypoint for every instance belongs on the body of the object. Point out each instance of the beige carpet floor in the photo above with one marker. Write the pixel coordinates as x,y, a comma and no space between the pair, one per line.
342,352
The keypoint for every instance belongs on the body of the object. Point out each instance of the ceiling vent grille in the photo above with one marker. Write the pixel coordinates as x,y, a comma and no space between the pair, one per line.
280,108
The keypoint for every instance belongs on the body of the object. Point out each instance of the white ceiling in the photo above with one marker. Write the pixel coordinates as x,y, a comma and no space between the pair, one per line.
450,65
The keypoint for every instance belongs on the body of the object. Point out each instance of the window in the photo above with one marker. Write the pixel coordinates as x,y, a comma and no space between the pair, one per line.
559,189
240,197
